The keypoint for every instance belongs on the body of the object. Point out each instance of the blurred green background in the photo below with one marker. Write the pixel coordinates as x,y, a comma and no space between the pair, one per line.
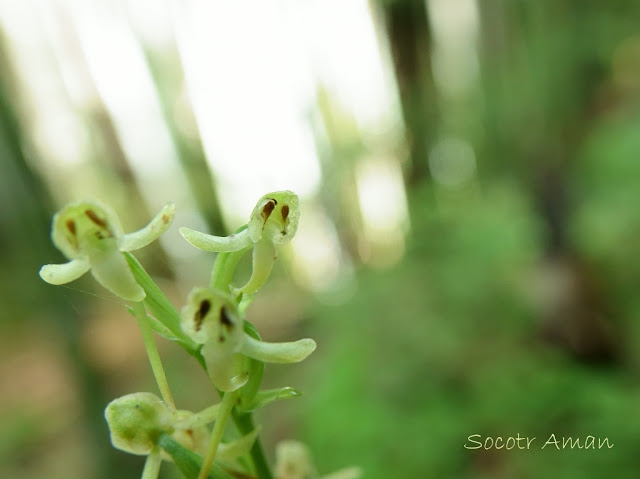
467,258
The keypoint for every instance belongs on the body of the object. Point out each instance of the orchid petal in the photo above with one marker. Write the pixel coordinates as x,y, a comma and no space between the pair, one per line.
292,352
111,270
219,244
158,225
264,256
275,217
223,368
64,273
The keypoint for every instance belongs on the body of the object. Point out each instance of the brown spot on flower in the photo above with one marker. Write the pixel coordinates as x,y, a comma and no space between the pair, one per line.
225,320
205,306
165,219
268,209
71,226
285,212
95,218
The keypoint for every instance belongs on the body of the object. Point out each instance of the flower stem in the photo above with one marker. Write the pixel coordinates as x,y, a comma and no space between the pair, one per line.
152,353
244,423
224,268
228,401
221,278
200,418
152,465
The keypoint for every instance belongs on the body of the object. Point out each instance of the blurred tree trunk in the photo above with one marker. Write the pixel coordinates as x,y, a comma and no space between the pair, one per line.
407,28
168,78
25,245
541,121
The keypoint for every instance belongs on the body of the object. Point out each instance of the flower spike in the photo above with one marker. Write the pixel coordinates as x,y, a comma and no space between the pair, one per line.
217,244
89,234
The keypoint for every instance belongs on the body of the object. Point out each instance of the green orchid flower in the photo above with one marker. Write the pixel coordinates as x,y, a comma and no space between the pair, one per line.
274,221
211,318
89,234
136,421
293,461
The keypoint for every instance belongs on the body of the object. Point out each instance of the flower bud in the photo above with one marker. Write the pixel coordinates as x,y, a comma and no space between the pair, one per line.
293,461
136,421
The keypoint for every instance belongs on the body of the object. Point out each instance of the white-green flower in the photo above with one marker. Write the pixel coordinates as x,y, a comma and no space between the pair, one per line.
293,461
89,234
211,318
274,221
136,421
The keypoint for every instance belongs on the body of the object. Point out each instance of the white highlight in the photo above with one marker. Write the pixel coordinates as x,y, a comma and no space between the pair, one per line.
383,203
455,30
251,93
317,262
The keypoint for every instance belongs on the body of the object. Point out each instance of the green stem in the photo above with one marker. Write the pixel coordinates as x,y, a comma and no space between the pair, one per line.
221,278
224,268
228,401
188,461
244,423
152,352
200,418
152,465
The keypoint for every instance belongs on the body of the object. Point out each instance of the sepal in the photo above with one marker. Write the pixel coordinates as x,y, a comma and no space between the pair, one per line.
216,244
110,269
284,353
143,237
64,273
